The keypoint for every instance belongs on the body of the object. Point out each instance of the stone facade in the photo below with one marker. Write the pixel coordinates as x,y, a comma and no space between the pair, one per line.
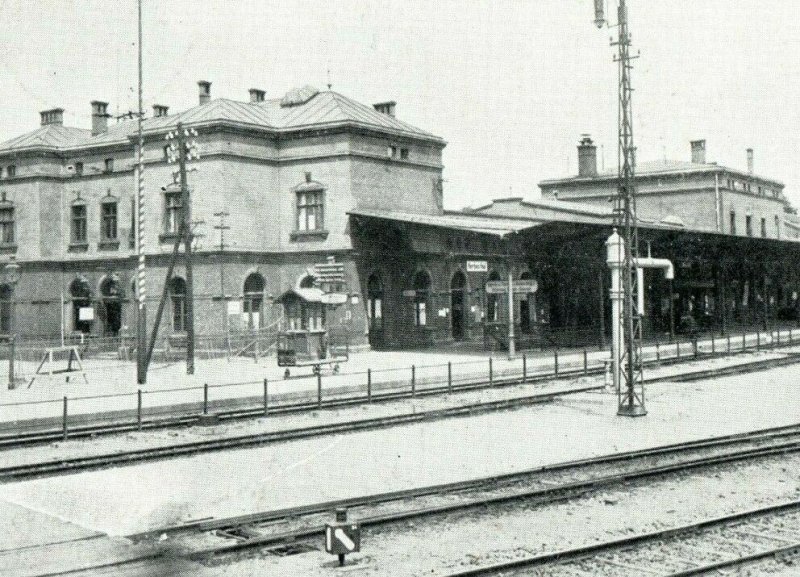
252,169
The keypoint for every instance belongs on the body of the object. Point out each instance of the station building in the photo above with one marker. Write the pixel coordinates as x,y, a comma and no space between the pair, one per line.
286,171
313,179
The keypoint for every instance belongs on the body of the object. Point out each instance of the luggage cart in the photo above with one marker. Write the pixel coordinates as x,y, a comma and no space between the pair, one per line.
308,348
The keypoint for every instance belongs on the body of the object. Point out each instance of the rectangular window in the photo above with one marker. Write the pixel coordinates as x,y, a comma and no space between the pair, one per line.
7,225
109,165
79,223
748,225
109,221
173,212
11,171
391,151
733,222
404,154
763,227
310,211
132,233
78,169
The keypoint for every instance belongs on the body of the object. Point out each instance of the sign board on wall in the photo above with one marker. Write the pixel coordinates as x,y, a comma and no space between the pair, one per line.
234,307
333,298
86,314
518,286
477,266
409,293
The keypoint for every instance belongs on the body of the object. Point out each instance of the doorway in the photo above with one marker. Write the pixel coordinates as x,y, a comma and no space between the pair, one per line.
111,296
457,288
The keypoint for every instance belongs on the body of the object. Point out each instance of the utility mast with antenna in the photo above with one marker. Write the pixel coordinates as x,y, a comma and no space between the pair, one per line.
631,385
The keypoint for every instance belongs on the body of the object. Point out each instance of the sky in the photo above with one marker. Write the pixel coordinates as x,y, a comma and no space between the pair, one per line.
509,84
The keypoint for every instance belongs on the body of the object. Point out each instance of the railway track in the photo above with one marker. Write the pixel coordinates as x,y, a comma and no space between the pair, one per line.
707,547
21,439
295,529
122,458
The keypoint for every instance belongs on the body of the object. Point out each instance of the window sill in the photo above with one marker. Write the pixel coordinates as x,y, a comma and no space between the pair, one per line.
168,237
108,245
6,248
320,234
78,246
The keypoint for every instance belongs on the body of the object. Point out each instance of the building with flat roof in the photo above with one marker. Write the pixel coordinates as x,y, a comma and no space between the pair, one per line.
701,195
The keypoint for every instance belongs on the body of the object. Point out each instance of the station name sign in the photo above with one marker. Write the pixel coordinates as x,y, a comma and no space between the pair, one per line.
477,266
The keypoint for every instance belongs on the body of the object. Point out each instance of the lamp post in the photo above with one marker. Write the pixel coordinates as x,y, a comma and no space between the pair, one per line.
12,278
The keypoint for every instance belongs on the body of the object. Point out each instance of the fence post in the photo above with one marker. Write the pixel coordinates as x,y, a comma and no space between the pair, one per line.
744,342
139,410
64,420
677,349
585,363
729,344
319,388
713,348
555,362
449,377
413,380
266,398
694,347
491,376
205,398
369,385
758,340
658,352
524,367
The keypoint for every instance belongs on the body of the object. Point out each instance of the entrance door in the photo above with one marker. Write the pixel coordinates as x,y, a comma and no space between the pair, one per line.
457,288
112,306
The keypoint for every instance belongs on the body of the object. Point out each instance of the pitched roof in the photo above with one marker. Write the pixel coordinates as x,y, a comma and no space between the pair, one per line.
51,136
322,109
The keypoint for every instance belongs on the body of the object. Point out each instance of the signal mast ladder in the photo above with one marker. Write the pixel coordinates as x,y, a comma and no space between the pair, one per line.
74,357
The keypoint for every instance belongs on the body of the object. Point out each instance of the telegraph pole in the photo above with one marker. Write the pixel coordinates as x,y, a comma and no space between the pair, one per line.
222,227
183,151
631,389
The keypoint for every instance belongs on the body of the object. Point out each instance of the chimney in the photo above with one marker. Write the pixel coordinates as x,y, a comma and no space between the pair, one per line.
257,95
160,110
386,107
587,157
205,91
750,161
698,151
53,116
99,117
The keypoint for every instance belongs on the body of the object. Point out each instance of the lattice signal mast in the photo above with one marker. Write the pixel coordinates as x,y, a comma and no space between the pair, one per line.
631,388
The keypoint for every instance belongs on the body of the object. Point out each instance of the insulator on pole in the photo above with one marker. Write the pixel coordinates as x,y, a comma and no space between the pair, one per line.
599,15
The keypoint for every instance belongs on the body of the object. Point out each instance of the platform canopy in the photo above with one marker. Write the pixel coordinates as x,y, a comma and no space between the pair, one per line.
310,295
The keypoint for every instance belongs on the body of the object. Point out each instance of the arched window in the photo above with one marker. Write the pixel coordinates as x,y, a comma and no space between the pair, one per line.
375,301
254,300
422,288
177,294
308,281
6,293
82,310
493,301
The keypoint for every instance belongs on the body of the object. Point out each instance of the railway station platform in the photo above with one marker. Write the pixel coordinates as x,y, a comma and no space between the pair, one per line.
112,393
148,496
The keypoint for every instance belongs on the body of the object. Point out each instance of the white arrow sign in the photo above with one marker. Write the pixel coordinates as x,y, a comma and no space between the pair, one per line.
344,539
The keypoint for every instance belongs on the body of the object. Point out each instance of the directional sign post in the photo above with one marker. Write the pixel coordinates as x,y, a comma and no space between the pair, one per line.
342,537
519,286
